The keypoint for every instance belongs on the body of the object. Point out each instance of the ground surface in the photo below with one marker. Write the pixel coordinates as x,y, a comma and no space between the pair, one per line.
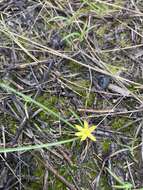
82,60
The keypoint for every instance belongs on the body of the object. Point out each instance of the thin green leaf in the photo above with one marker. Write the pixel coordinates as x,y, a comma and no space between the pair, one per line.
29,99
33,147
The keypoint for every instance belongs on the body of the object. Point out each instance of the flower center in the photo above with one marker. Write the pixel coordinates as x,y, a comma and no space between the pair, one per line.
87,132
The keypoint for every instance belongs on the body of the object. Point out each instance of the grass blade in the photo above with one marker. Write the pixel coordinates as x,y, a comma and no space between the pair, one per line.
29,99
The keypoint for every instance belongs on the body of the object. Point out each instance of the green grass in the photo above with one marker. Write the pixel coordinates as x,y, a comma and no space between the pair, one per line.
46,109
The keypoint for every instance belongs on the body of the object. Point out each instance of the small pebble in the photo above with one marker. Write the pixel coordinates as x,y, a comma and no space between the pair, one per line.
103,81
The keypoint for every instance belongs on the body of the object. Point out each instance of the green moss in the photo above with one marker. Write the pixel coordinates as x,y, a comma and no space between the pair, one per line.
48,100
38,174
9,122
118,123
102,30
134,88
115,69
50,103
67,176
57,183
13,127
100,8
89,100
74,67
124,41
79,86
104,183
106,145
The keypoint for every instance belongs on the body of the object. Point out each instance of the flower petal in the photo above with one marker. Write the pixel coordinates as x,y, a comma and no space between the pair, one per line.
92,128
85,124
85,131
92,137
79,128
83,137
78,134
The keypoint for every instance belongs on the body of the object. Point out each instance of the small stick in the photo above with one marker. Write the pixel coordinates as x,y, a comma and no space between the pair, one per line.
61,178
95,111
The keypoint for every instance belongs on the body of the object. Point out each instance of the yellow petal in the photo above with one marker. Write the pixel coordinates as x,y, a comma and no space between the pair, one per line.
79,128
91,129
85,124
83,137
92,137
78,134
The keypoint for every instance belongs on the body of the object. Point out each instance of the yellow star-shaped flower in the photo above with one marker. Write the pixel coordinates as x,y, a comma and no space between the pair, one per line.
85,131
